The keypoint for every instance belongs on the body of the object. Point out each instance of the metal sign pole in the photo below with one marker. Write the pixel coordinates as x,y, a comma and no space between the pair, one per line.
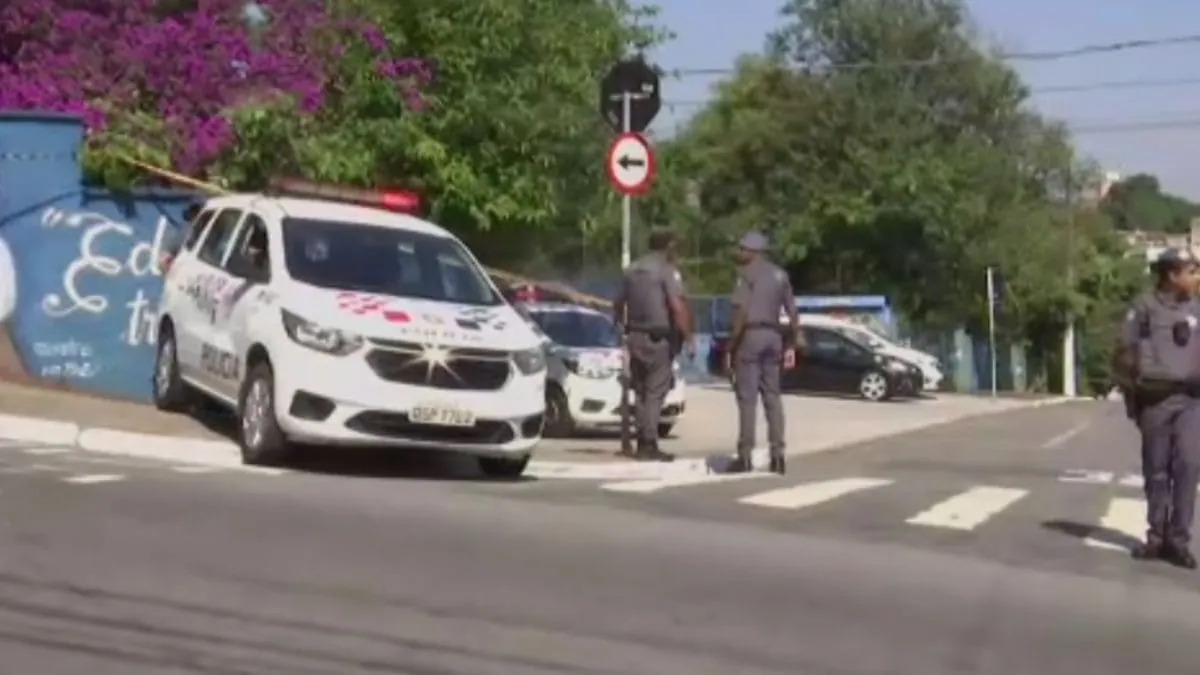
991,300
626,200
626,256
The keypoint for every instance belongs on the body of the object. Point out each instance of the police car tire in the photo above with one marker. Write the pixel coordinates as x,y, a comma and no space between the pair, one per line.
503,467
887,387
274,449
559,424
178,396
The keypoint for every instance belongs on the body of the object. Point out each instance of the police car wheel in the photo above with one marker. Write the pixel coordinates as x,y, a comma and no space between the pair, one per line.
261,440
171,393
874,386
503,467
559,423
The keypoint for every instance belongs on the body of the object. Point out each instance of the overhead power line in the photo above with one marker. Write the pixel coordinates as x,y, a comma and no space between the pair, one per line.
1188,120
1042,55
1134,126
1109,85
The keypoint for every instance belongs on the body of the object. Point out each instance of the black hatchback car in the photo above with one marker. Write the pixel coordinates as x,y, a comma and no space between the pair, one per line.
834,363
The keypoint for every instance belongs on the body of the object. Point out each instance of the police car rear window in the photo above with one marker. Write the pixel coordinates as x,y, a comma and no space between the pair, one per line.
372,259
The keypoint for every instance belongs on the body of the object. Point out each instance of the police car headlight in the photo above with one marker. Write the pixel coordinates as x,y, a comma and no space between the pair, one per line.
590,370
326,340
530,361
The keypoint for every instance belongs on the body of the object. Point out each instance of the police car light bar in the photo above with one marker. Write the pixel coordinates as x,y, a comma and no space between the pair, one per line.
399,201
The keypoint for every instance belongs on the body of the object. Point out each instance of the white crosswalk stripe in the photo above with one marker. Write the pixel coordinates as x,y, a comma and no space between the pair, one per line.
93,479
811,494
1111,520
657,485
968,510
45,451
72,466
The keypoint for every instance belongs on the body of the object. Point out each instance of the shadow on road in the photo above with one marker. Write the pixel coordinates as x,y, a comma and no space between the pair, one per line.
354,462
1083,531
394,463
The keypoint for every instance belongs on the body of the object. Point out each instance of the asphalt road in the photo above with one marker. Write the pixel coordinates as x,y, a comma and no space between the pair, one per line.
165,571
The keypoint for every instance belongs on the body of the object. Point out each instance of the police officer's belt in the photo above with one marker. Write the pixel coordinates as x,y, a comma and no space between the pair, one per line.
653,332
1160,389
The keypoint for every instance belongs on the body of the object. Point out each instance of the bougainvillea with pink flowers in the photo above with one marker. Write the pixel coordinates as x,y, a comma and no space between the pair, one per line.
165,79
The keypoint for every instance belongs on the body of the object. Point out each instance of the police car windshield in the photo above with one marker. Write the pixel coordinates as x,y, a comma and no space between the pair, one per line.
371,259
578,329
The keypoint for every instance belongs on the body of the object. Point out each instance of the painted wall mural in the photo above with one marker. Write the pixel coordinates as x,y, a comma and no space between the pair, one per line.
79,277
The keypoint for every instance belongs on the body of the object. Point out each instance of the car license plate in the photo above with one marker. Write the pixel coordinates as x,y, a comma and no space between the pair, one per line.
441,415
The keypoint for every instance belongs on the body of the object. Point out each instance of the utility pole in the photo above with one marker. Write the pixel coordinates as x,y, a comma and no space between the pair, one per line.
1068,372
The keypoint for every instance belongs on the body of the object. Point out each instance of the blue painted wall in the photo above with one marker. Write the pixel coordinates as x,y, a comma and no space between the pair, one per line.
79,277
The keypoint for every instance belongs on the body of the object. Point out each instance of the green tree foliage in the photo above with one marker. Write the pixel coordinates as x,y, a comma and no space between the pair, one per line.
887,153
1138,203
507,139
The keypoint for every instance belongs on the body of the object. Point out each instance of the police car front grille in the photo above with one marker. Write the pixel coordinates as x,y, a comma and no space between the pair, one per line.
464,370
459,352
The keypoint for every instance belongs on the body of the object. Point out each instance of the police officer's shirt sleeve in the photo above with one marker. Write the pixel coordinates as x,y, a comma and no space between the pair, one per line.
1132,326
741,290
785,288
672,281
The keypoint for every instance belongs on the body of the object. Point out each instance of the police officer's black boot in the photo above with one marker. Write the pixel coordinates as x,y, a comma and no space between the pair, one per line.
778,464
647,451
1151,549
1178,555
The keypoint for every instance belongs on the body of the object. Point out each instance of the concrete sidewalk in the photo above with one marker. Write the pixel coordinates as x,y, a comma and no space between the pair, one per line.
704,440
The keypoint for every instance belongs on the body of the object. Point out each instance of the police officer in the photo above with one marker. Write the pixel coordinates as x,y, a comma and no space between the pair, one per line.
760,347
175,238
653,312
1158,364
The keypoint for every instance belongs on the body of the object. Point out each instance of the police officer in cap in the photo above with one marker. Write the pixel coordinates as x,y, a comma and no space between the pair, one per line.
653,312
760,347
1158,367
175,238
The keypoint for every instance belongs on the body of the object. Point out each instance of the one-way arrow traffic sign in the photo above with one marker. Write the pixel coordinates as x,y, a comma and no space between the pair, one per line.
630,164
626,161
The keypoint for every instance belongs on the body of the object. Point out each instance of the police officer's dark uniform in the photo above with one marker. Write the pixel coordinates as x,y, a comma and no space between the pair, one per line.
757,351
652,337
1159,367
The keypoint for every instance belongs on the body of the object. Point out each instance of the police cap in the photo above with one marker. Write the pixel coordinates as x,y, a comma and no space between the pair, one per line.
1173,259
754,241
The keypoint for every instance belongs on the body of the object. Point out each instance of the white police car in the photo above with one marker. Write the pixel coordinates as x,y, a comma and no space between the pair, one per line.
584,360
324,321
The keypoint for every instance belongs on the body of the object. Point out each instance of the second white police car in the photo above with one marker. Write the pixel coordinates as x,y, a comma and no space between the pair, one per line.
334,316
585,360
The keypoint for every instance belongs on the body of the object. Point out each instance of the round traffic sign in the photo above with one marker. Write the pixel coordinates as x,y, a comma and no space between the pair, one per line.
630,164
637,80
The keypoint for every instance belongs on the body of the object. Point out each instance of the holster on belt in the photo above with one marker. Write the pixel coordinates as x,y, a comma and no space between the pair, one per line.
660,333
1150,392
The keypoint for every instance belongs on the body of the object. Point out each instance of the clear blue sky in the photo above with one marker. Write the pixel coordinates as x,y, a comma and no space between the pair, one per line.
711,33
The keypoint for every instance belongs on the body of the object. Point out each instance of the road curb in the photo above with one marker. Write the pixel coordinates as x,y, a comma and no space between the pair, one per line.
225,454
